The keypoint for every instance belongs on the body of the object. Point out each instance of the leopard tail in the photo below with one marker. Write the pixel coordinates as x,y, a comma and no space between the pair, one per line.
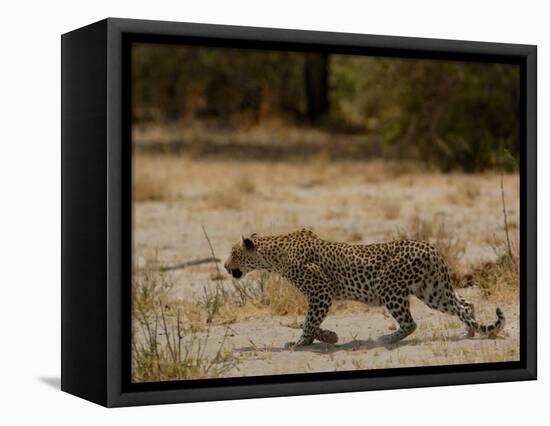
489,329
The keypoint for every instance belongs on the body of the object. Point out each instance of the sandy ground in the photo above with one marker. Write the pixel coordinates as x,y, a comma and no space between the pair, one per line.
439,340
354,202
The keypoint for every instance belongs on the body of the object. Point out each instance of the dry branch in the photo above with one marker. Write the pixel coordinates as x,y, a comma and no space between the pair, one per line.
505,217
189,263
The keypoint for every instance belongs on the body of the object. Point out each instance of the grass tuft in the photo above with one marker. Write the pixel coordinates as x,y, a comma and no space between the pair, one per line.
165,343
149,183
499,279
390,209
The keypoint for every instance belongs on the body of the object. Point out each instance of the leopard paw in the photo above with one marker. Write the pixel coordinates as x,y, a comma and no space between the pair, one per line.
327,336
303,341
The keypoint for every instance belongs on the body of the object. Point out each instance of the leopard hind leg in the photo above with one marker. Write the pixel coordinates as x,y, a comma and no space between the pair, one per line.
440,296
398,306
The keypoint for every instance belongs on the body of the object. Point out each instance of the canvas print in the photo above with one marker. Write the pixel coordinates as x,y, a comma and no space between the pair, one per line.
304,212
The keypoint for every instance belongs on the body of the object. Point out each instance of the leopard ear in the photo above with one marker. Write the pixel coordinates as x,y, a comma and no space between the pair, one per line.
248,243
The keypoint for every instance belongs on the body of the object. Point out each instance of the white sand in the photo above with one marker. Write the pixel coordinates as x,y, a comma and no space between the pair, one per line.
341,205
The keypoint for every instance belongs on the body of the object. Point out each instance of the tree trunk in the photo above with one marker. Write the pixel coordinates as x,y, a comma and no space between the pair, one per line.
316,76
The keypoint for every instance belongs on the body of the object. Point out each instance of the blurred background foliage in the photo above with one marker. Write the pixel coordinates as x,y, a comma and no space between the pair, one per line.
447,115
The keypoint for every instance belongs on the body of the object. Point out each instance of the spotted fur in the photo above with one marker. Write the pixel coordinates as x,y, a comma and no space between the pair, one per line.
376,274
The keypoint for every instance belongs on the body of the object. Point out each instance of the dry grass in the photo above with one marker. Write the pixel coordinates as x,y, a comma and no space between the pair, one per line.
168,351
390,208
334,214
245,185
498,279
221,183
489,354
223,200
258,296
233,198
261,295
355,237
150,183
165,342
149,287
466,194
375,172
279,295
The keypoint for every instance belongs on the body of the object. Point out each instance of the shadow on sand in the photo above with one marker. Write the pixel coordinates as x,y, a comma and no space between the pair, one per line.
354,345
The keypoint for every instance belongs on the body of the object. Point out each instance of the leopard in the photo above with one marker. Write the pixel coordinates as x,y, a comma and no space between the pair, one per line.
377,274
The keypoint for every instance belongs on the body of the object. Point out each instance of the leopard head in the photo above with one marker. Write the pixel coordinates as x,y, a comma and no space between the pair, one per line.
244,257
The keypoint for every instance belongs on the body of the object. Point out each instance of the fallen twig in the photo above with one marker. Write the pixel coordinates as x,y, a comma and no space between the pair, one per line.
189,263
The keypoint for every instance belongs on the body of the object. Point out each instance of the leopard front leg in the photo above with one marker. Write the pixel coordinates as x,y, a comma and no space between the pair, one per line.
311,280
317,310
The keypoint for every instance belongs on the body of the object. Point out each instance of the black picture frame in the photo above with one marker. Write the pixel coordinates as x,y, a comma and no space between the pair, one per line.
96,212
